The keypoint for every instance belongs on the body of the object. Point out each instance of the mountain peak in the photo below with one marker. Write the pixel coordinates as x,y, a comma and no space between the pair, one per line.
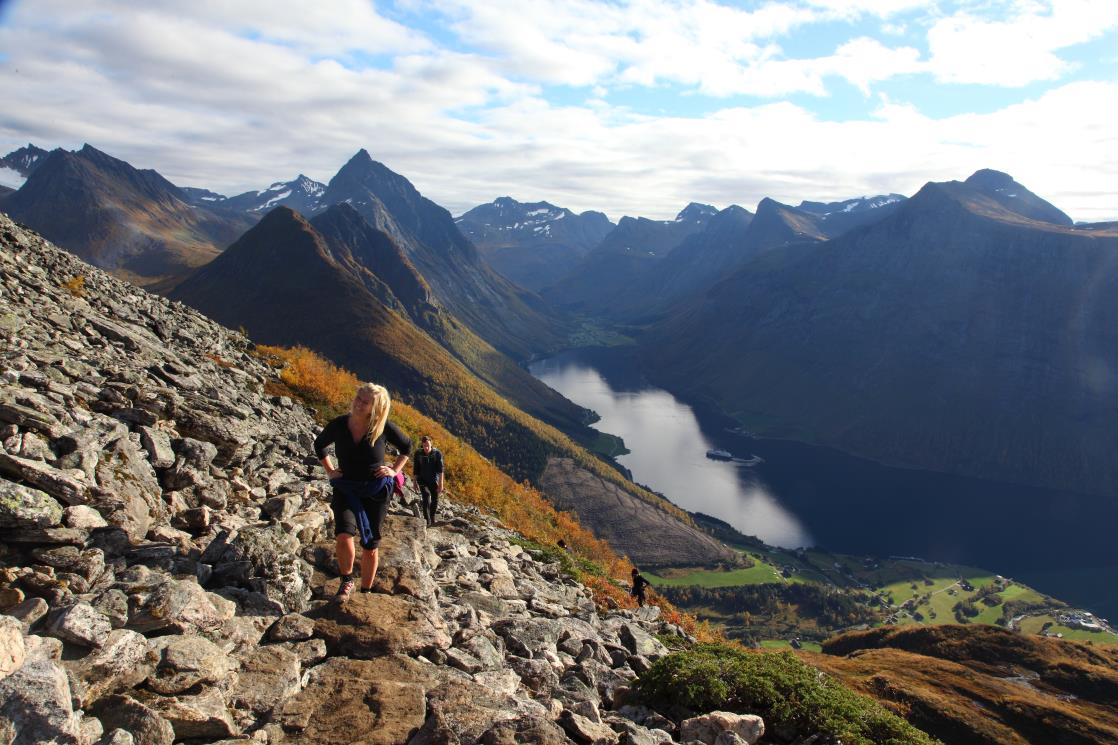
1014,197
696,212
987,178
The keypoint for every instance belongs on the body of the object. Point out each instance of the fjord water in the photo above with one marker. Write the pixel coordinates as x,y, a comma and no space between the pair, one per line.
801,495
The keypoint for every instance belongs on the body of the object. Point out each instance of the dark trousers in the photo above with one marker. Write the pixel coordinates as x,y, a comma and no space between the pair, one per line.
429,493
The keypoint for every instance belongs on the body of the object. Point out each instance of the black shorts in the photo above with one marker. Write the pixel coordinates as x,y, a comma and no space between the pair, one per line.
374,504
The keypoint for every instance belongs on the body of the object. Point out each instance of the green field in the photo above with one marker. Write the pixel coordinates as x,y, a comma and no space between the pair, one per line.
1033,625
936,588
936,598
757,574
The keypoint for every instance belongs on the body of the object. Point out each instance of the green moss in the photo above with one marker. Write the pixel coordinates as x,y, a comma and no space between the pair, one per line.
787,693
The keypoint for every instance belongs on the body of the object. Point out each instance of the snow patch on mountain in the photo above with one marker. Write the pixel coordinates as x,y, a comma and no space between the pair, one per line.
11,178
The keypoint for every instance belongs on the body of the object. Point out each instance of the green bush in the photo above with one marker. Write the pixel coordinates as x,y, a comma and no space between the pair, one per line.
787,693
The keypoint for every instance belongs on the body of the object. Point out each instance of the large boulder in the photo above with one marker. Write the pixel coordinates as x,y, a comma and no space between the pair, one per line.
129,495
120,663
67,486
179,663
268,676
264,559
35,706
199,717
13,651
177,605
710,727
79,624
126,713
25,507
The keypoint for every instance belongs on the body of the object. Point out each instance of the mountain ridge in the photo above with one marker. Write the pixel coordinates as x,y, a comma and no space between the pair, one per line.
951,269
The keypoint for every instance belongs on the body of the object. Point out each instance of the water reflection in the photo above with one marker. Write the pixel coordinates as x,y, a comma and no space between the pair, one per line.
668,452
1059,542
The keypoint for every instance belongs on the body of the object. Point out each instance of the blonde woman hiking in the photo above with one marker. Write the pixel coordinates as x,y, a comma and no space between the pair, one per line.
362,483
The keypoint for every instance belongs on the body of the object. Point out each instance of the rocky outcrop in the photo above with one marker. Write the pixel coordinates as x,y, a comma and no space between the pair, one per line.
167,559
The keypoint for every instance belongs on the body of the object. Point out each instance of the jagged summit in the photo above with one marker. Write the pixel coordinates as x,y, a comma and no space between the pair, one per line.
24,160
696,212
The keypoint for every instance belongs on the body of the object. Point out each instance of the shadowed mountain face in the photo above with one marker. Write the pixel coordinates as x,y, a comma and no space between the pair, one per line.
618,282
633,247
534,243
957,334
132,222
509,318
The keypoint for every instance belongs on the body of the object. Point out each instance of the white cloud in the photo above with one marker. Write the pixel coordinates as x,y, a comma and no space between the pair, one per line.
210,105
879,8
967,48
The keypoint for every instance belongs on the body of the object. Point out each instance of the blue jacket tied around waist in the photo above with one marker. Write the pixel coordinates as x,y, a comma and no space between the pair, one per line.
356,493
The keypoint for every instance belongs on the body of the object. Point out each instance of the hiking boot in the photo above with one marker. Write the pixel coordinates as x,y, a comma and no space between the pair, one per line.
345,590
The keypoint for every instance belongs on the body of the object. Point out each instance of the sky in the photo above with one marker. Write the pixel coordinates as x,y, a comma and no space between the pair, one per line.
630,107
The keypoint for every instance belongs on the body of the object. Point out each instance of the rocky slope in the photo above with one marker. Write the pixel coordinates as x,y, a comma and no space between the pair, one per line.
167,550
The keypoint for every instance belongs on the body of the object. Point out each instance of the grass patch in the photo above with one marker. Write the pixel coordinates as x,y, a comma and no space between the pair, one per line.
789,694
1034,625
757,574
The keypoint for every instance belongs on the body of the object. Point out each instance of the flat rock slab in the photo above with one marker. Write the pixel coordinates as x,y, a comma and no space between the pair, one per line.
371,625
378,702
267,677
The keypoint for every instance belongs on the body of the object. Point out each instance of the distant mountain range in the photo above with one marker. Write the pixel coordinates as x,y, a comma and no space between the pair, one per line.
631,249
145,229
132,222
972,330
643,267
303,195
966,329
532,243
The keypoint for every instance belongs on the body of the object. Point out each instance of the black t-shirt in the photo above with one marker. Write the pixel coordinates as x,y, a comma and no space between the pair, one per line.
359,460
428,466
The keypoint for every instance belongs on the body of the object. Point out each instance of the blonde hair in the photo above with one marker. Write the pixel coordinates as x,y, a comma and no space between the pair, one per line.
378,417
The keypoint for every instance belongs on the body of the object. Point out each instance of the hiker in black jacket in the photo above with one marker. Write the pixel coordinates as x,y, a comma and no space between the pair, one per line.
363,484
429,476
639,585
